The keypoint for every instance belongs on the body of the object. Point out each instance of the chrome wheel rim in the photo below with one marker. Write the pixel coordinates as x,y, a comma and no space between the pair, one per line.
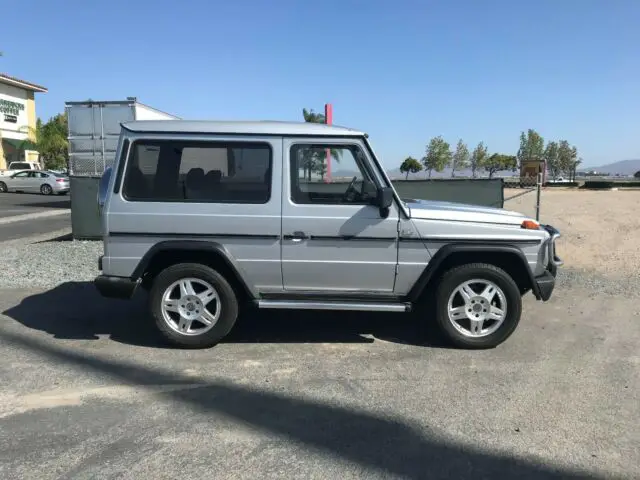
477,308
3,187
46,189
191,306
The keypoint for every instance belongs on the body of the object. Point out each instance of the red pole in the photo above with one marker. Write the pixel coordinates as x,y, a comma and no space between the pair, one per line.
328,119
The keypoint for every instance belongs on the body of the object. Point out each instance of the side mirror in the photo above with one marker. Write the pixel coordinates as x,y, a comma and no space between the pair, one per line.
384,199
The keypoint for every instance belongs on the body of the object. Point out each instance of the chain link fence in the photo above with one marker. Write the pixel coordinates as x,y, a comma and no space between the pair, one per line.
523,194
89,166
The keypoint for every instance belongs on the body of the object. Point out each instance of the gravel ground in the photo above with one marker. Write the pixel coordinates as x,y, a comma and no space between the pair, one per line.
599,245
599,229
77,261
42,262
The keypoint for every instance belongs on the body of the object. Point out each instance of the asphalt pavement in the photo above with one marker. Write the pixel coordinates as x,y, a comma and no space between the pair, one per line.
89,391
26,214
12,204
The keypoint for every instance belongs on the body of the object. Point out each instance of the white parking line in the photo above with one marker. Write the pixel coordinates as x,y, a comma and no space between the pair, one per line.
32,216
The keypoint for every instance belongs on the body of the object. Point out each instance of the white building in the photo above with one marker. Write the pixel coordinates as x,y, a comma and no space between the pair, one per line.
17,119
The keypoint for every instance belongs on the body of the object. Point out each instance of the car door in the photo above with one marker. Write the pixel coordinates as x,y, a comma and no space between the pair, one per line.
33,181
19,181
333,239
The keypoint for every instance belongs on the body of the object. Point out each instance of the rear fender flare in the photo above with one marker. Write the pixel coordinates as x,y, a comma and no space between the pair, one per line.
208,247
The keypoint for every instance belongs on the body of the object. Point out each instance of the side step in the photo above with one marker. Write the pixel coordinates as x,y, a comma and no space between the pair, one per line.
361,306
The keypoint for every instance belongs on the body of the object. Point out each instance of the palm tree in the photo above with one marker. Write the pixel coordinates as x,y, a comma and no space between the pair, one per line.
311,157
312,117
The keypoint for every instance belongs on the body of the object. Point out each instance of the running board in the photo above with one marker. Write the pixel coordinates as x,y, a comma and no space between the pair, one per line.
335,305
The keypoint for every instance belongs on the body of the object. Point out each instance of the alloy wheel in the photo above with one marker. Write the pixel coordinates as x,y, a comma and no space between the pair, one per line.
477,308
191,306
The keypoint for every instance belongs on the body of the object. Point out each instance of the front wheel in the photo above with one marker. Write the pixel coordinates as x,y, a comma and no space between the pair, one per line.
478,305
193,305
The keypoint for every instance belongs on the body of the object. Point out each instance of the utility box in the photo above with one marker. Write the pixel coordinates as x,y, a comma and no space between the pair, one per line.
94,129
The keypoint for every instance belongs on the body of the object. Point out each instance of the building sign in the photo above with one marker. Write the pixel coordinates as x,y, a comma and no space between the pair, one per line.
11,108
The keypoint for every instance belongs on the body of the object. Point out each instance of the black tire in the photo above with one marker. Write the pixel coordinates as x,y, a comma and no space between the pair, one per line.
228,304
3,187
46,189
457,276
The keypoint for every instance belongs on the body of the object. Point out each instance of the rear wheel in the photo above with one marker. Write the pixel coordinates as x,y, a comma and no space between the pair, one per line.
3,187
46,189
193,305
478,305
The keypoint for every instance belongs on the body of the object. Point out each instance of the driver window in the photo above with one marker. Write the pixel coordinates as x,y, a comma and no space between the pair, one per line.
350,182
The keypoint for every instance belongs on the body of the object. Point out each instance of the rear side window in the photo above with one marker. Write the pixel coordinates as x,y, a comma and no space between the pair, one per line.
20,166
209,172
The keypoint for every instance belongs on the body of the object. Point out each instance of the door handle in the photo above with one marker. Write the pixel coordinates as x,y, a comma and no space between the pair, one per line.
298,236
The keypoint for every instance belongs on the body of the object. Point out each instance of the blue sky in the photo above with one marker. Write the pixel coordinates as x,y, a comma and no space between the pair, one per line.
404,71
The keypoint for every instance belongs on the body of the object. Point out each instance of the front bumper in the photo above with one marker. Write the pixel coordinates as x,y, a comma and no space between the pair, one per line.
545,283
115,287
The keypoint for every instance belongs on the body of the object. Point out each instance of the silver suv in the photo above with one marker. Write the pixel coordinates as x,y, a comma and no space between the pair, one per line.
207,216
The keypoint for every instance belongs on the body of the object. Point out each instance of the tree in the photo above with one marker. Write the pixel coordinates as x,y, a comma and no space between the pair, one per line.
574,169
410,165
637,174
551,157
531,147
310,160
478,158
567,155
312,117
438,155
319,167
572,165
460,159
498,162
50,140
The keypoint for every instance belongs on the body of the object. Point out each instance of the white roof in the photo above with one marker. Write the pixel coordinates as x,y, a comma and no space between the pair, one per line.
240,127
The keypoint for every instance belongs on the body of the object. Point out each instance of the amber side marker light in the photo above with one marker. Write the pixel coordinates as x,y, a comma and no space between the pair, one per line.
530,225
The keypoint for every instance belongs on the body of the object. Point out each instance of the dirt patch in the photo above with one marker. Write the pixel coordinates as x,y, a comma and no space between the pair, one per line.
600,229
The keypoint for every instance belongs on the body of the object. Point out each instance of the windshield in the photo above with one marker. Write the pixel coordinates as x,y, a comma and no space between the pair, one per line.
57,174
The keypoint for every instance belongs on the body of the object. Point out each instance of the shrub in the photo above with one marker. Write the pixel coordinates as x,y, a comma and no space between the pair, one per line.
598,184
561,184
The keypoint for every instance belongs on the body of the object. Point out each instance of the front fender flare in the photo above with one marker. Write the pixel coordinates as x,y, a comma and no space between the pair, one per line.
452,248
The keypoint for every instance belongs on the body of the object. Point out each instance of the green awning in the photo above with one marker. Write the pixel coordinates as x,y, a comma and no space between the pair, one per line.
20,144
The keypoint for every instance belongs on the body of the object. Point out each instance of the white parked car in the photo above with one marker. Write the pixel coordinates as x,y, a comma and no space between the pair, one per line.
36,181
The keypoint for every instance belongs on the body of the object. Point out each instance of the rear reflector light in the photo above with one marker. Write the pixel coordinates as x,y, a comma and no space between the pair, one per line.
60,180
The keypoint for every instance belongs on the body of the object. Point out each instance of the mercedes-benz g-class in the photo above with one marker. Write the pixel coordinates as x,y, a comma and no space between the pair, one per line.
208,215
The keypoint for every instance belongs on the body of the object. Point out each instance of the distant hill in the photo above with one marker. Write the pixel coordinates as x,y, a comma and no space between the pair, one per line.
624,167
